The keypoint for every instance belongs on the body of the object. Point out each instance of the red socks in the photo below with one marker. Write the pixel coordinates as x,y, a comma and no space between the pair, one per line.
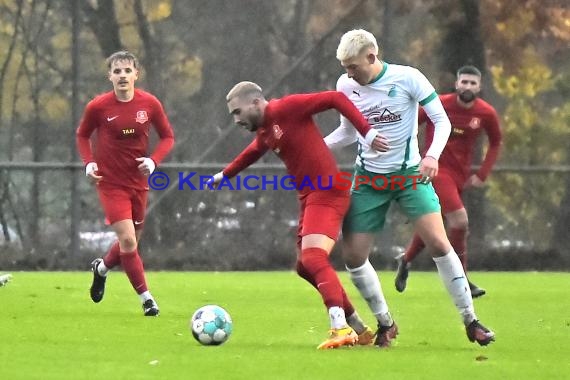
415,247
346,304
133,266
458,240
112,258
315,267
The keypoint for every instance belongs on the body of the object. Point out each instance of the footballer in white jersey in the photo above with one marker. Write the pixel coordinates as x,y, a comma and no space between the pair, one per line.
388,96
390,103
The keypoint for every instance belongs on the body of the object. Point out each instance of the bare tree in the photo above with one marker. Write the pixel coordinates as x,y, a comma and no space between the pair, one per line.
151,57
102,19
9,56
462,44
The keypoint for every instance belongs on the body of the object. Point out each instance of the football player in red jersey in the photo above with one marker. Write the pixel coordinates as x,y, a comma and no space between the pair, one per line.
469,116
286,127
118,162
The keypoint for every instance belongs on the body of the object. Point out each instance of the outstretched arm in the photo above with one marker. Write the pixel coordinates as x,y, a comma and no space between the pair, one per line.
247,157
310,104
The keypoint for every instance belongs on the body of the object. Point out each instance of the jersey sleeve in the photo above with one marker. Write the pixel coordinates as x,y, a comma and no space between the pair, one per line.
83,134
310,104
164,131
247,157
420,87
494,136
345,134
422,116
424,93
442,127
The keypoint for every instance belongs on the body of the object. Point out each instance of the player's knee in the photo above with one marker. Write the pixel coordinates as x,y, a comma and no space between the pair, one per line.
128,243
436,242
438,246
354,257
457,220
313,260
460,223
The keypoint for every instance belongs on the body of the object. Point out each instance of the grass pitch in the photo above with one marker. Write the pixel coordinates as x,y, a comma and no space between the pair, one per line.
50,329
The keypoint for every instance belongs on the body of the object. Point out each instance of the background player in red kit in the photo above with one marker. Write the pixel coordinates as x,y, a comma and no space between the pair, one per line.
286,126
119,165
469,116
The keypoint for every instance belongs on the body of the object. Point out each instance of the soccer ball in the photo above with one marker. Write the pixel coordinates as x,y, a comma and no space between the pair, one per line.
211,325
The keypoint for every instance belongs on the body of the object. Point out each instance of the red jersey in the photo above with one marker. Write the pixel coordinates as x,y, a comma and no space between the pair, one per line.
289,130
466,126
123,130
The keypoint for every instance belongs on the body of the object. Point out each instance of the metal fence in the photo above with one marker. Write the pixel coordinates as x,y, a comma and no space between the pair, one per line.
193,229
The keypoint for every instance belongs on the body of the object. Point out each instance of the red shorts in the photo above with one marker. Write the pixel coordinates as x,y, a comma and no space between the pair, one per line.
449,192
322,213
120,203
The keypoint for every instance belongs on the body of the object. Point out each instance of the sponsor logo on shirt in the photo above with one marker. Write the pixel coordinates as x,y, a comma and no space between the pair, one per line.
277,132
457,131
142,117
392,91
385,117
475,123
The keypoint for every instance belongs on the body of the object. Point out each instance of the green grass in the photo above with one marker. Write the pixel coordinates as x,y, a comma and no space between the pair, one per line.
50,329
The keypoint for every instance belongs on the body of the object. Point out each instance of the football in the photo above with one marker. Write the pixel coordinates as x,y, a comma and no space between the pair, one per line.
211,325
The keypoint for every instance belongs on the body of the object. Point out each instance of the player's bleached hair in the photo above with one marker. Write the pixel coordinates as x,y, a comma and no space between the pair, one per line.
122,55
244,89
469,69
354,42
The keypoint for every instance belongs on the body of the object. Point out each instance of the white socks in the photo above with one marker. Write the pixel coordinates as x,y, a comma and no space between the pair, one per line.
145,296
356,323
102,269
338,319
452,274
366,281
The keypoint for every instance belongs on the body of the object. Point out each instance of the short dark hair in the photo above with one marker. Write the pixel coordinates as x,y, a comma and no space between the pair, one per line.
469,69
122,55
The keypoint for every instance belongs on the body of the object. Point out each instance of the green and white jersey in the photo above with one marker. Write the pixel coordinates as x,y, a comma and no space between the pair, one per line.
390,104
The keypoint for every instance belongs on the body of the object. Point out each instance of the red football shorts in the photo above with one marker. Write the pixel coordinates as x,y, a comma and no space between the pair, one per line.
449,192
120,203
322,213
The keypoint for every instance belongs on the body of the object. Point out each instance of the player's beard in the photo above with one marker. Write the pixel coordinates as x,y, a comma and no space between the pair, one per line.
251,125
255,121
467,96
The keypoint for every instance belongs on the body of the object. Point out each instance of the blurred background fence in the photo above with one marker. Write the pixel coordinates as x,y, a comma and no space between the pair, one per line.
255,229
192,51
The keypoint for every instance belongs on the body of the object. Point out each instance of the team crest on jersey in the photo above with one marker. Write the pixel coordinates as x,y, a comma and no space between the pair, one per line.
475,123
142,117
277,132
